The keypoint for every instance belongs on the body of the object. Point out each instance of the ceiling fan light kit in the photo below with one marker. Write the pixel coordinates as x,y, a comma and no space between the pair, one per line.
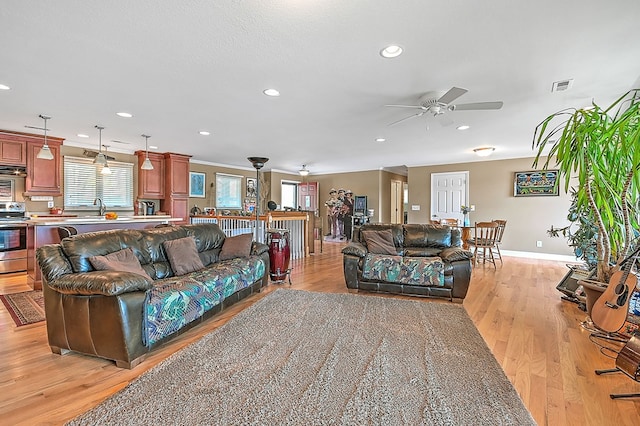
304,171
484,152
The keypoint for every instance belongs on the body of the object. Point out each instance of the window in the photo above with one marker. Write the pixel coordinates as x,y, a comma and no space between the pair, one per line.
83,183
289,196
228,191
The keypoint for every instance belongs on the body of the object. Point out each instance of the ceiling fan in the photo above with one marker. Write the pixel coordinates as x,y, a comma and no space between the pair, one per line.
436,105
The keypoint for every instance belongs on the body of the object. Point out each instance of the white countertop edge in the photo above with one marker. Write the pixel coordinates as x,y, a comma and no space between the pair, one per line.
35,221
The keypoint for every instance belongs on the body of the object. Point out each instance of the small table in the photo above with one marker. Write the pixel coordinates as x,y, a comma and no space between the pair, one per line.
466,235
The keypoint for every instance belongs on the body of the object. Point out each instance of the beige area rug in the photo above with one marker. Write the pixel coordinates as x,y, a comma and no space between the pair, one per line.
25,308
303,358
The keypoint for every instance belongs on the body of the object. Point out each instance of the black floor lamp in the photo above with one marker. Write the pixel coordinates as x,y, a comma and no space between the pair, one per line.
258,163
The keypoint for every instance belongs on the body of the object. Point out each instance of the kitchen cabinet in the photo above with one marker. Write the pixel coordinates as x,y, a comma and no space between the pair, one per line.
176,201
151,183
13,151
43,176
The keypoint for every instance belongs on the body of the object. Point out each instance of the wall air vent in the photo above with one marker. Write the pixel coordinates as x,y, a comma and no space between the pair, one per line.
562,85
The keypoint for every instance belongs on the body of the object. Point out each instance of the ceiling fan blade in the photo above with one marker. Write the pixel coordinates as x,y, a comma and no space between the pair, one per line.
406,118
476,105
406,106
453,94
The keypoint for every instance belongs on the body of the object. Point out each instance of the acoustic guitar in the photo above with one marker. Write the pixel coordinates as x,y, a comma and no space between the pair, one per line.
610,311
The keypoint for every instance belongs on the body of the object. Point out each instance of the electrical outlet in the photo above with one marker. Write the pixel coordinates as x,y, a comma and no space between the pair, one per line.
49,204
538,243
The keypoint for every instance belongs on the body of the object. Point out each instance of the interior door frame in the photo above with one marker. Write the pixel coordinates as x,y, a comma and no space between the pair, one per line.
396,201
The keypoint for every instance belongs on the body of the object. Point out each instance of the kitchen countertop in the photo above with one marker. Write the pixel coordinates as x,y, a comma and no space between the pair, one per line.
48,221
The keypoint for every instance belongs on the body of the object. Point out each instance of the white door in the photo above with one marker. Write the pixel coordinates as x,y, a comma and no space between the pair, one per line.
396,201
449,191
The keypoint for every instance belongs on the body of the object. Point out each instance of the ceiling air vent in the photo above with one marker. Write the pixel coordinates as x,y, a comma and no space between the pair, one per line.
562,85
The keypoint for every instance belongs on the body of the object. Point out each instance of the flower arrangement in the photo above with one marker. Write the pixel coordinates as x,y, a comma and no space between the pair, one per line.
465,209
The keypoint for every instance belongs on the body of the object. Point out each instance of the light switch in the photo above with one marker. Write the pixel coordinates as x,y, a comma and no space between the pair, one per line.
415,207
49,204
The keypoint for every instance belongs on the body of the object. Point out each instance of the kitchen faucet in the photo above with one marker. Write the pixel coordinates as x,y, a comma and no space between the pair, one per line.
102,207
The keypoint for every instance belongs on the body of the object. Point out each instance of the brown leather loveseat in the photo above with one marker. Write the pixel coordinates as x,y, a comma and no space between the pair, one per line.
118,294
414,259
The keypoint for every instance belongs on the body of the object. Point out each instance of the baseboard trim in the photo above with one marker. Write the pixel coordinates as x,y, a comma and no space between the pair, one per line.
544,256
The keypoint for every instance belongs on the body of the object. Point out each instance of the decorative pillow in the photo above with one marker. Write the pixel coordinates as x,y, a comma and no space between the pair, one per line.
122,260
380,242
238,246
183,255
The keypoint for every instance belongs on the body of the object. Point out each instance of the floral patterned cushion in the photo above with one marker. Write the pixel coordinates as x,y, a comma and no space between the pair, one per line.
174,302
427,271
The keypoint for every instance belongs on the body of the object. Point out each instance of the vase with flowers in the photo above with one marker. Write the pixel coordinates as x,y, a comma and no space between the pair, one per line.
465,211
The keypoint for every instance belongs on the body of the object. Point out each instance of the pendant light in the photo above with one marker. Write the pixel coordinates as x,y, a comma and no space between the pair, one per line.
105,169
146,164
45,152
100,158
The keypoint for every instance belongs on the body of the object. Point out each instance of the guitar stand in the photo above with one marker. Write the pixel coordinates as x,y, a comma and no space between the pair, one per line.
617,395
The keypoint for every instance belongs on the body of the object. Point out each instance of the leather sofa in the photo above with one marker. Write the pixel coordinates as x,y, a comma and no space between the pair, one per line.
121,315
428,261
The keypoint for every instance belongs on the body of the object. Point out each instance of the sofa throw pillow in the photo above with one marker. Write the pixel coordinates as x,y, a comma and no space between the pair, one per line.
238,246
380,242
183,255
121,260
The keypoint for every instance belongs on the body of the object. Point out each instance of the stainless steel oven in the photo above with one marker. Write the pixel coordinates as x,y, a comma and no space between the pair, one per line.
13,237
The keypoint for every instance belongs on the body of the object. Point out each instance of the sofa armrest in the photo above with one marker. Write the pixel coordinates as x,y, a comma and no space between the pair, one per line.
355,249
452,254
259,248
105,283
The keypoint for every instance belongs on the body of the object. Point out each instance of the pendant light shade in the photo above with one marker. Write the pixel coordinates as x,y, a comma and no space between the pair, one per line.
105,169
45,152
146,164
100,158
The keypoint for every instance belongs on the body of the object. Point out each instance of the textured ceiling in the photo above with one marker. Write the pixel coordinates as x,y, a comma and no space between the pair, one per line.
184,66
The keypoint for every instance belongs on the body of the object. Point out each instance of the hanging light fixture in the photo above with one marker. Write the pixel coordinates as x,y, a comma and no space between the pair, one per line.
146,164
45,152
304,171
105,169
100,158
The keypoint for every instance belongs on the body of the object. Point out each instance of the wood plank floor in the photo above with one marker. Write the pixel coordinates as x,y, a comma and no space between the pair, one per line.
534,335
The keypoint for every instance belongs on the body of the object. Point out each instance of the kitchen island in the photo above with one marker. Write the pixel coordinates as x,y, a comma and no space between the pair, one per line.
44,230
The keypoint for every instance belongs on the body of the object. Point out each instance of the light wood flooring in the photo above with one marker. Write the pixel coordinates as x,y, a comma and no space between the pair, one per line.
535,336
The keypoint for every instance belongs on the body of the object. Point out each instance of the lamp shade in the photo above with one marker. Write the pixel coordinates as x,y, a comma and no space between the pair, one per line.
146,164
45,153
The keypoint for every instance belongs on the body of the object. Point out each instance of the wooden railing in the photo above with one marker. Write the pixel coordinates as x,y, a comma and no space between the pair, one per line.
297,223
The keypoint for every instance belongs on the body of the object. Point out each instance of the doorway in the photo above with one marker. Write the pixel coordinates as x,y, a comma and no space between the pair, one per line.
449,191
396,201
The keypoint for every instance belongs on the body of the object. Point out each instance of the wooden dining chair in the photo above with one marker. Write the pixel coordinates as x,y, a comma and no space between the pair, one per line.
449,221
484,242
501,225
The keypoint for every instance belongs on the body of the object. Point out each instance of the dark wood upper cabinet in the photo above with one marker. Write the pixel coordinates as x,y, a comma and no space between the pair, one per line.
13,151
43,176
177,178
151,183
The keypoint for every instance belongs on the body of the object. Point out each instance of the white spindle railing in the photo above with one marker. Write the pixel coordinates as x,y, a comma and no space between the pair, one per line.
235,225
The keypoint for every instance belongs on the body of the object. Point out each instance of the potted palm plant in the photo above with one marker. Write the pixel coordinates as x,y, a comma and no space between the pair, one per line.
600,149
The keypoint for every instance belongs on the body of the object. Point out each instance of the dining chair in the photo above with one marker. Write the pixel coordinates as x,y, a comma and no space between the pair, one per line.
484,241
449,221
501,225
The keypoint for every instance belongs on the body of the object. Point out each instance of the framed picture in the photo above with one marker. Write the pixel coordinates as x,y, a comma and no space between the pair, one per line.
536,183
196,184
251,188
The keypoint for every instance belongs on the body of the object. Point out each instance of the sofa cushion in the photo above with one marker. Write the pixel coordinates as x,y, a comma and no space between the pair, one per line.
422,235
183,255
121,260
379,242
427,271
238,246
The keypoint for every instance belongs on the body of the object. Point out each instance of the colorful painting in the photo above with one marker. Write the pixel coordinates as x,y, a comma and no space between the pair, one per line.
536,183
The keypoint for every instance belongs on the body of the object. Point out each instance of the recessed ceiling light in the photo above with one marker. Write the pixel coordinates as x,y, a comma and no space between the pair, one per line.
204,133
124,114
380,139
271,92
463,127
3,87
391,51
82,135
